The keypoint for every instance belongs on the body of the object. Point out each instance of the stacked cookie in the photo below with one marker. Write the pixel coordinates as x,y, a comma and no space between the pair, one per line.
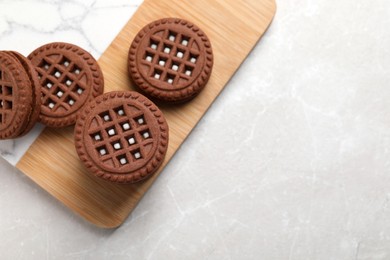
120,136
20,98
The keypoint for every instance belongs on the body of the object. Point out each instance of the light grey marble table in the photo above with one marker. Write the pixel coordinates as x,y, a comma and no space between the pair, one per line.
291,162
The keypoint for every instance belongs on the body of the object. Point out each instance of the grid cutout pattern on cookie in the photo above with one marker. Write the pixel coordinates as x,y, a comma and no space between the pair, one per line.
60,80
6,97
171,57
121,136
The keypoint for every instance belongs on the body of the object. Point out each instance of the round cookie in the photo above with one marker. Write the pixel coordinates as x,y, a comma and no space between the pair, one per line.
171,60
35,87
16,97
70,77
121,137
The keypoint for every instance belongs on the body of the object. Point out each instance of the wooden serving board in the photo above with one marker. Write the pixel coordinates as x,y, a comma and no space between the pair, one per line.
234,27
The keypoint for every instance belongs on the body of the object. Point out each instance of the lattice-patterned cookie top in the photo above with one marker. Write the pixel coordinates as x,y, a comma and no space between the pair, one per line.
15,97
70,77
122,137
171,59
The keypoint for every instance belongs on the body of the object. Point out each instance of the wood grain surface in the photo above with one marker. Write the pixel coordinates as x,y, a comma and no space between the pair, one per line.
234,27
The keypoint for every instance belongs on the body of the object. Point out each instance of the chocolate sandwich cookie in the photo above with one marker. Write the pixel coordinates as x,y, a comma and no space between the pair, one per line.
121,137
35,88
70,77
17,97
171,60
